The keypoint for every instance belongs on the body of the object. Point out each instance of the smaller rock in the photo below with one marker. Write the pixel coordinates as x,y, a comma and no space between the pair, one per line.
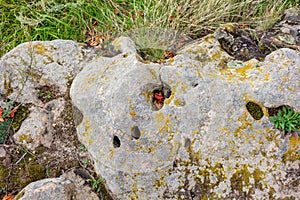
38,127
33,130
68,186
2,152
52,188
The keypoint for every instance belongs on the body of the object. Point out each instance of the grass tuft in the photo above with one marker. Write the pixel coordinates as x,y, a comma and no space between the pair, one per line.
77,20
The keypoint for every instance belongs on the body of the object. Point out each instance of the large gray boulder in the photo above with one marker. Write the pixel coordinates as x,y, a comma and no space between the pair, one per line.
181,129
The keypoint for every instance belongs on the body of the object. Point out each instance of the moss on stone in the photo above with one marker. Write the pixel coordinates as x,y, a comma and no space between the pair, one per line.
3,174
29,173
255,110
20,116
292,154
26,138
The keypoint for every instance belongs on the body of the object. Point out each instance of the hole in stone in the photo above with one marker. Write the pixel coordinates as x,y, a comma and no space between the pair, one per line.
174,164
274,110
195,85
116,142
159,95
255,110
135,132
187,143
158,99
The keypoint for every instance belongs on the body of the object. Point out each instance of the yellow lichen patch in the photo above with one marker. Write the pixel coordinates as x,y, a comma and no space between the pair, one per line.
179,102
26,138
230,27
87,130
267,77
244,182
184,87
168,100
153,73
281,88
244,124
242,73
196,132
159,183
132,109
133,197
111,154
133,113
40,49
216,56
171,61
207,178
243,70
292,154
165,125
210,39
7,85
148,94
160,117
292,89
134,189
89,81
139,148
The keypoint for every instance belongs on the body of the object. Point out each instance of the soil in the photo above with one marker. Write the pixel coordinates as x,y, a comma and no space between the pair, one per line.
19,166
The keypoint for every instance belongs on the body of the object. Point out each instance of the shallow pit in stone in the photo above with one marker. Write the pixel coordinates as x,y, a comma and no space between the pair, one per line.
159,96
255,110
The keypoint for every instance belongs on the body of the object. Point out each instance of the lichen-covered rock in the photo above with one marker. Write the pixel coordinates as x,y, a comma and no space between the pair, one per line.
35,64
68,186
37,75
184,130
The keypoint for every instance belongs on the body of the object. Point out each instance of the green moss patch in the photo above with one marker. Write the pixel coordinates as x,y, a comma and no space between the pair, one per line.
255,110
47,93
30,173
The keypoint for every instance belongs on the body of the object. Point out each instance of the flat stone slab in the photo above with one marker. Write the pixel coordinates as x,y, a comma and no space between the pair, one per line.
181,130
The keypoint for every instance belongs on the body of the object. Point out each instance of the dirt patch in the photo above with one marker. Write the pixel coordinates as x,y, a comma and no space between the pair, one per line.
47,93
19,166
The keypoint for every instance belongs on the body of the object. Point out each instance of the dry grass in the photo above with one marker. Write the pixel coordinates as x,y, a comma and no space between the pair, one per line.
77,19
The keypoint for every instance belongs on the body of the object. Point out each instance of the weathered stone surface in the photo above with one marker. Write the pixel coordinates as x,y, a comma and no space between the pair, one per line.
202,143
2,152
37,75
68,186
37,128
